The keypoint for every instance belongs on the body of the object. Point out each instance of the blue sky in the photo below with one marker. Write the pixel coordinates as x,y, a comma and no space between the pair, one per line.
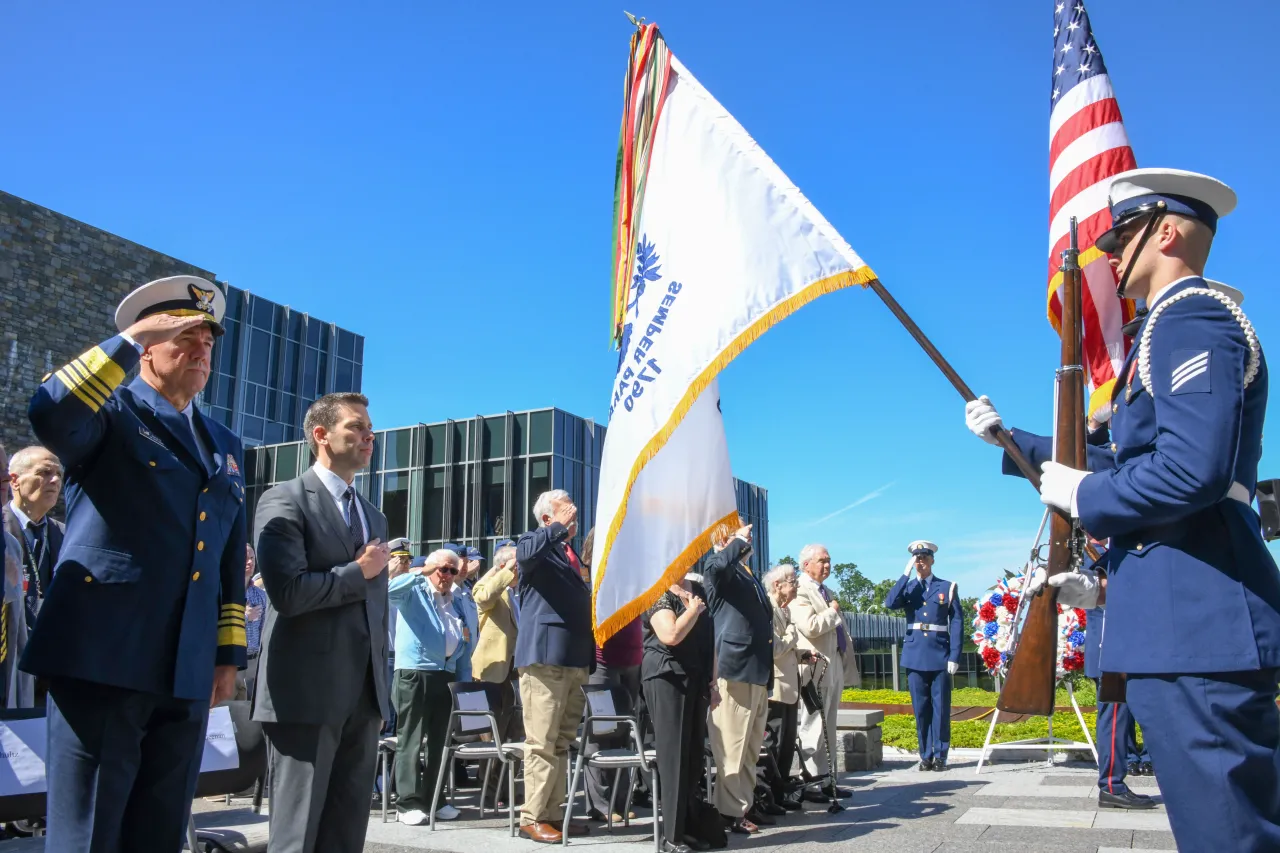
439,177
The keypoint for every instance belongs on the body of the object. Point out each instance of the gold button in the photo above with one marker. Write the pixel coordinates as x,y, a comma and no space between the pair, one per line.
1139,547
196,576
152,463
205,489
202,516
199,546
88,578
1113,447
1115,407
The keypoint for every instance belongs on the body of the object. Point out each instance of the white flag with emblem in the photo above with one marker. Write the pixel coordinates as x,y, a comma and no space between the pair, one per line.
713,245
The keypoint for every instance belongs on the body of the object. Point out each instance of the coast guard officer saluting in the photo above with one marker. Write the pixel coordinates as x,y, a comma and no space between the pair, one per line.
1193,595
931,651
142,628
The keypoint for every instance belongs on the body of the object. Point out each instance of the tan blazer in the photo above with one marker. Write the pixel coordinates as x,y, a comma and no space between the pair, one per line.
491,661
786,657
815,621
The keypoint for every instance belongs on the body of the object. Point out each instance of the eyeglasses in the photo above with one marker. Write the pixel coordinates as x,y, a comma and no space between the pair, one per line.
448,570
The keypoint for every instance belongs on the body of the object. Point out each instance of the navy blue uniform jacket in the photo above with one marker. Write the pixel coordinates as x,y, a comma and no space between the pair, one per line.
148,592
928,603
743,617
1192,587
555,603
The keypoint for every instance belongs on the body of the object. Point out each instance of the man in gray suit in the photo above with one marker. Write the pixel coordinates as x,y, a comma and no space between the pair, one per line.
322,682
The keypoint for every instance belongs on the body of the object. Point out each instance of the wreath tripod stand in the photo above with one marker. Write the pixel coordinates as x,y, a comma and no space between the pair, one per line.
1049,743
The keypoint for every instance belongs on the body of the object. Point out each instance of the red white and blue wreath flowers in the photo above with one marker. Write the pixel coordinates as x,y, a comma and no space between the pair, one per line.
993,629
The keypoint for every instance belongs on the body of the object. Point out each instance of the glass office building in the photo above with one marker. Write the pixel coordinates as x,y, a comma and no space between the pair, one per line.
474,481
272,363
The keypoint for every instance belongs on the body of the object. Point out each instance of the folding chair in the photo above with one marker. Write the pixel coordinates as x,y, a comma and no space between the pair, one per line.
609,706
475,709
386,754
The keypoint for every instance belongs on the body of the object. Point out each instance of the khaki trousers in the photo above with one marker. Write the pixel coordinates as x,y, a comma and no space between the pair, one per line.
813,752
737,733
553,702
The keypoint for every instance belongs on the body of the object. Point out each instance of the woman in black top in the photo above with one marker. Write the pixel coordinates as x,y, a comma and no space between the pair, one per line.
678,671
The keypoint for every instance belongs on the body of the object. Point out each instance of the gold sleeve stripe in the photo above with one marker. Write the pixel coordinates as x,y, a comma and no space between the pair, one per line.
74,388
226,622
86,383
102,367
228,609
90,378
232,637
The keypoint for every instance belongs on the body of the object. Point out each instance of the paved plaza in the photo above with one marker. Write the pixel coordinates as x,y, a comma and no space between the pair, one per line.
1023,807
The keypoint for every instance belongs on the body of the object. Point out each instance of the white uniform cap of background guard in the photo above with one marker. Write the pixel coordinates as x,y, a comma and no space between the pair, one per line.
1234,295
180,295
922,545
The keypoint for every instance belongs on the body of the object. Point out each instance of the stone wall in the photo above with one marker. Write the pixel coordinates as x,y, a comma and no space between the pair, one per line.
60,283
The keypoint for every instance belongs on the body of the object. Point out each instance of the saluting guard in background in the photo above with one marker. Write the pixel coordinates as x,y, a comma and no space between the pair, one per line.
1193,594
142,627
931,650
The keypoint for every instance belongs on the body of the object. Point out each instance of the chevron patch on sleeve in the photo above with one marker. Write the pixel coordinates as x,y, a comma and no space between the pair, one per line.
1190,372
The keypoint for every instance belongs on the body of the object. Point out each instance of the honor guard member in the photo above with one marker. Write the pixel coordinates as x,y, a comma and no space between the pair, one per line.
142,628
931,650
1193,594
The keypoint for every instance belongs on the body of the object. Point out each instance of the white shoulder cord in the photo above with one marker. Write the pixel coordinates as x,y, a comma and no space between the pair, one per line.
1144,344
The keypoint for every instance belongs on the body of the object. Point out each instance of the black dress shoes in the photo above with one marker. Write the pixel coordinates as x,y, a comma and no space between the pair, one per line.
1124,800
760,818
669,847
939,766
771,808
695,843
925,764
1147,769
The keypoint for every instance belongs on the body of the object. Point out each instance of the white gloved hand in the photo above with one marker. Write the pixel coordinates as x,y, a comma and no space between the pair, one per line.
1077,589
1036,583
952,667
980,416
1058,486
911,564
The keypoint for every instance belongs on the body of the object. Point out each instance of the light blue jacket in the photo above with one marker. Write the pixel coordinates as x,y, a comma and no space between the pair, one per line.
419,631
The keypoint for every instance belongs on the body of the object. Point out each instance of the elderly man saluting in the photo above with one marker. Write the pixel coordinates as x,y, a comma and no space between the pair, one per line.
555,651
931,651
142,626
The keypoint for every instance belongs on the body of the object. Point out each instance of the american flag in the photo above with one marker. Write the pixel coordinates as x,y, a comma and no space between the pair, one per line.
1087,147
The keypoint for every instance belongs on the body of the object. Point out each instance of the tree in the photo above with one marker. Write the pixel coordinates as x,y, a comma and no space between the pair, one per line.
789,560
852,587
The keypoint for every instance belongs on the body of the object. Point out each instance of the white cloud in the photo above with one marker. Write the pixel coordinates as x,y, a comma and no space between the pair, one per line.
869,496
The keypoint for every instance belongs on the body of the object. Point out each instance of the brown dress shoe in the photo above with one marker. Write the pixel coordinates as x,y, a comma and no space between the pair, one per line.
544,833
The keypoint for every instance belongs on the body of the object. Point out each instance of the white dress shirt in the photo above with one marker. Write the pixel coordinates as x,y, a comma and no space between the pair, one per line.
337,488
449,619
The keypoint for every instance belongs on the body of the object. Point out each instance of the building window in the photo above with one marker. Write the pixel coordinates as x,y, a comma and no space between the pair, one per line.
539,482
435,438
395,503
433,506
494,482
495,437
540,432
458,514
398,444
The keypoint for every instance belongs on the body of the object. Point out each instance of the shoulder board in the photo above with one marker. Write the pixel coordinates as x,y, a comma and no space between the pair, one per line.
1144,343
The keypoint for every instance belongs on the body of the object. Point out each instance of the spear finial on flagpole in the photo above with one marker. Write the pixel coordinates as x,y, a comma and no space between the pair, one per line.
639,22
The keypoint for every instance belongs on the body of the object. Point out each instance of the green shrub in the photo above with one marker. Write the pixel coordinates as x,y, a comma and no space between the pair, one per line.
967,696
900,730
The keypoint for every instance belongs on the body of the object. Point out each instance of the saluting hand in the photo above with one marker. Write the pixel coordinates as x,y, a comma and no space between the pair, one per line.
373,558
159,328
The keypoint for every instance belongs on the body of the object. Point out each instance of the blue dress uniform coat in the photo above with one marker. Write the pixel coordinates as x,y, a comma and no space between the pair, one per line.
1193,593
935,630
555,603
147,596
743,617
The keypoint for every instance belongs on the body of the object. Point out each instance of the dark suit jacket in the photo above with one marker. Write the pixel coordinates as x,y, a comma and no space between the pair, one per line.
743,617
555,603
326,625
54,530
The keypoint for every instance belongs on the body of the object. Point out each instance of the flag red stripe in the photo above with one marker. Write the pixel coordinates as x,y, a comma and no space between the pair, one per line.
1093,116
1089,231
1100,166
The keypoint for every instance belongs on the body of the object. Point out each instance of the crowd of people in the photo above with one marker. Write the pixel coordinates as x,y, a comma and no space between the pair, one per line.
157,601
